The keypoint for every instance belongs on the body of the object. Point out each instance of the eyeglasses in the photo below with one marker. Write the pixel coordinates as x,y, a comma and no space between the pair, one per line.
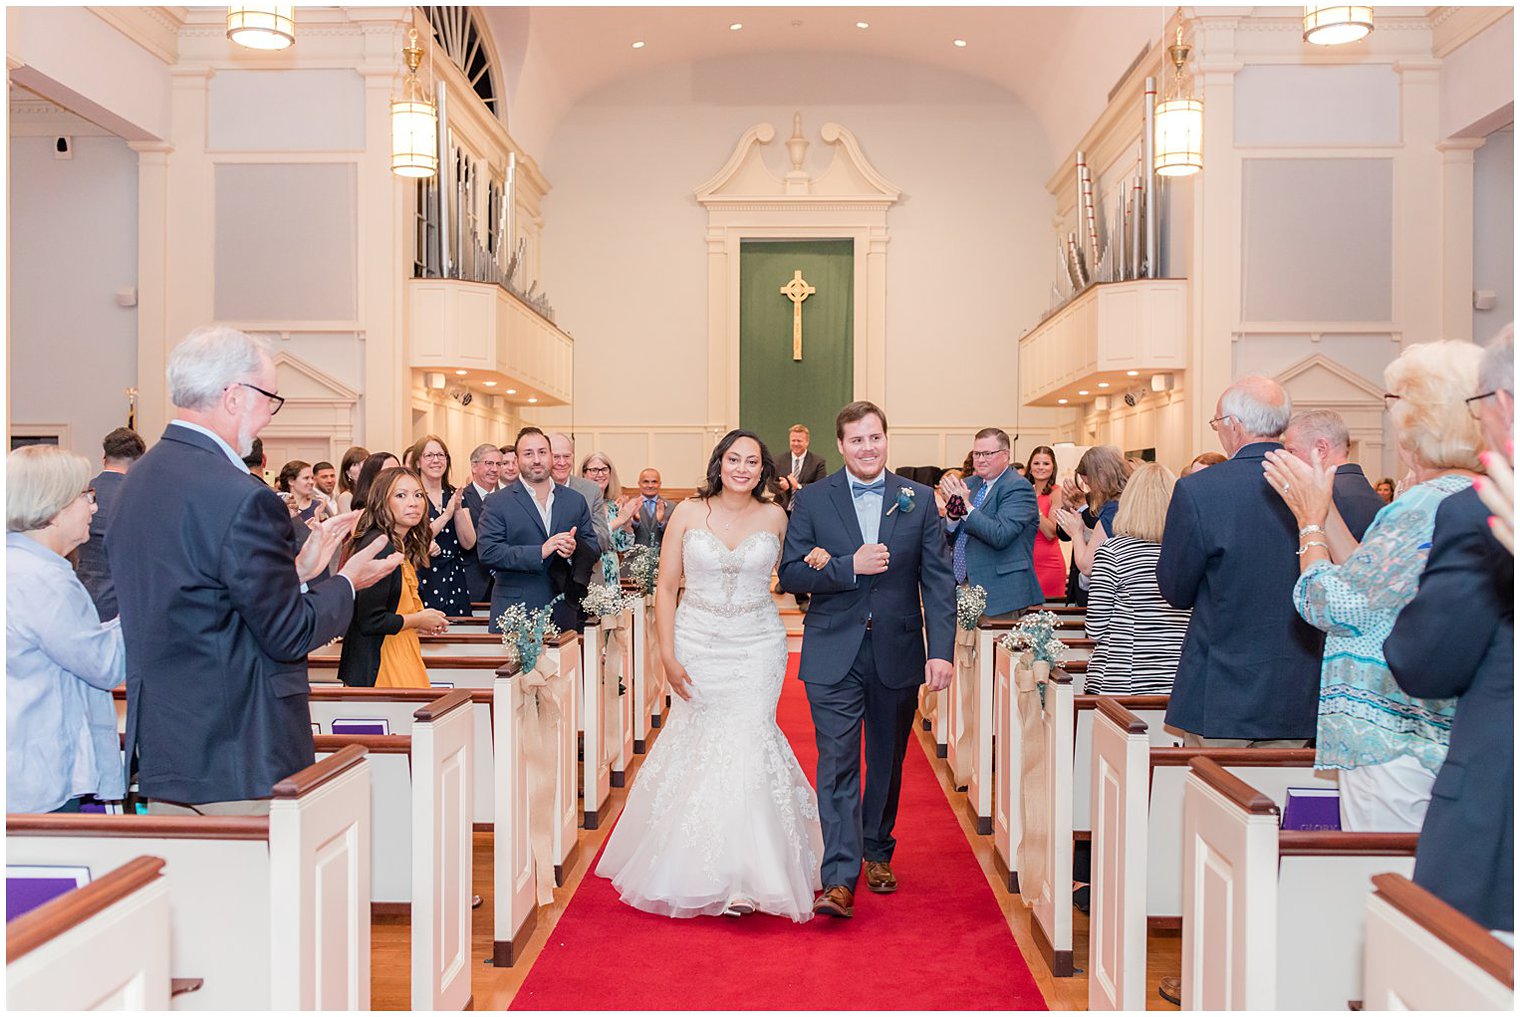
434,455
1474,403
1389,399
491,462
88,494
275,401
988,455
1221,419
598,471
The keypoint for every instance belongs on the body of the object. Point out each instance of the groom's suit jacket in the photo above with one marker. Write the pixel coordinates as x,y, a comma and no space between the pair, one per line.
510,543
823,515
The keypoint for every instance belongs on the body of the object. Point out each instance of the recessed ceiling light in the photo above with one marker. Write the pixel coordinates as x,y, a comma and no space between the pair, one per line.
1103,384
490,384
862,24
532,399
461,373
1133,374
639,44
735,27
1062,402
511,391
961,43
1081,391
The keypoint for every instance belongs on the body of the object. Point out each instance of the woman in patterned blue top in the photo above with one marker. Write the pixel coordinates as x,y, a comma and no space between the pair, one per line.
1387,745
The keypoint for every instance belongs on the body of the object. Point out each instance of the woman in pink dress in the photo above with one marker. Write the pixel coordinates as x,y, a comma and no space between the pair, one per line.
1049,565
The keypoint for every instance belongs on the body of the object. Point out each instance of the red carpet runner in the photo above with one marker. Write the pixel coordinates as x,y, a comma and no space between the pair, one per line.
939,943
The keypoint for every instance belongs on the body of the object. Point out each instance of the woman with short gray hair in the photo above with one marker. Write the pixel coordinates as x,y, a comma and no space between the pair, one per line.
61,660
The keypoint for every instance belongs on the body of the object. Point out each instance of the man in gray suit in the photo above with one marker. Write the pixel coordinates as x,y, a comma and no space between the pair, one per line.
561,465
654,511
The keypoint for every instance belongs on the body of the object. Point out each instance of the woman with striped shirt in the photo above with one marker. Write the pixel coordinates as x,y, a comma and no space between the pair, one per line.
1139,634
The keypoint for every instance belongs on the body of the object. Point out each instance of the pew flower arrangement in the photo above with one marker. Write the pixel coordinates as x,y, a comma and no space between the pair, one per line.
1036,635
644,567
970,603
603,601
524,632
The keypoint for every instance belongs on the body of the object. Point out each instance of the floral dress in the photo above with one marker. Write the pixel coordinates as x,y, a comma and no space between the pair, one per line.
622,540
442,583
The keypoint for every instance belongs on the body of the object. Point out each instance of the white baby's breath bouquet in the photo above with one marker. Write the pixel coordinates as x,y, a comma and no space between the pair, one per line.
1036,634
602,601
970,603
524,632
643,564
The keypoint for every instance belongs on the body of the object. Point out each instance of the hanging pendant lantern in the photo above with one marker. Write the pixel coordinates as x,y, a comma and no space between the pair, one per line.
1179,122
1335,24
414,122
262,26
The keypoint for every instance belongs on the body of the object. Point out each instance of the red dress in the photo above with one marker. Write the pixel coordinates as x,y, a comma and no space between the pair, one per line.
1049,565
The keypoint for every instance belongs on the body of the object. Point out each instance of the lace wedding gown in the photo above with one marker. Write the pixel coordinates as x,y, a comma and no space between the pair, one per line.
721,810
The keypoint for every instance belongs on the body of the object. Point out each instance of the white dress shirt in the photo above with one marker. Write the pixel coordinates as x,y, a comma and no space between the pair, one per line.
867,507
545,510
237,460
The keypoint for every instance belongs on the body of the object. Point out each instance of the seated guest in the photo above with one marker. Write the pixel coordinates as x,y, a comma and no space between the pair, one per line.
1049,563
326,477
1385,489
1139,634
622,513
653,511
1100,477
1386,745
122,447
508,475
381,647
1457,638
485,470
992,523
1249,673
61,661
368,471
1324,432
348,475
1202,462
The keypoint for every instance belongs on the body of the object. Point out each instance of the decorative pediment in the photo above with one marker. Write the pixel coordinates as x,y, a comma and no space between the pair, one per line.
302,383
1319,381
849,179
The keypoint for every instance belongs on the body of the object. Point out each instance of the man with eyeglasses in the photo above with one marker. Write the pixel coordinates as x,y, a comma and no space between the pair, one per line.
214,609
992,521
485,470
561,466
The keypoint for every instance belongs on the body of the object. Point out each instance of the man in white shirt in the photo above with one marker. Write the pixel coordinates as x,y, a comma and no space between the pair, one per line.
802,468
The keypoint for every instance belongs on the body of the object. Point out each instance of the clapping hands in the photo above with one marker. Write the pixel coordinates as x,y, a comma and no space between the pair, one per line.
562,544
1498,492
1305,487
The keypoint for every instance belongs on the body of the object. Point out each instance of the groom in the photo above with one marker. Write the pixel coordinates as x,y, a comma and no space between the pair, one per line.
869,546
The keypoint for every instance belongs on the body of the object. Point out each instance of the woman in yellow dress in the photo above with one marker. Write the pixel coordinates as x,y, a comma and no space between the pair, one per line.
382,648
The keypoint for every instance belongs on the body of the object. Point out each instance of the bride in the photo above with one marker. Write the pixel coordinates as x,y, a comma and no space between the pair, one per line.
721,819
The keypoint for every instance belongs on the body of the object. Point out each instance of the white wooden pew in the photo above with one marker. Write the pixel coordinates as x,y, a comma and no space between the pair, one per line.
1272,919
1136,819
1424,954
104,946
970,722
619,742
271,912
1052,852
648,687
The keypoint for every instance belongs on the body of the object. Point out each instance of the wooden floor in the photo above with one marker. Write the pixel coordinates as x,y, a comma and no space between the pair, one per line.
495,987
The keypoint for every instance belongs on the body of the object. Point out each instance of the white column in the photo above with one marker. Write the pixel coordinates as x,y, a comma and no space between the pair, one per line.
1457,236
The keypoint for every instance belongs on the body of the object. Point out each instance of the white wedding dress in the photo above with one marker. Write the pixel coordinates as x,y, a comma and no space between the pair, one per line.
721,810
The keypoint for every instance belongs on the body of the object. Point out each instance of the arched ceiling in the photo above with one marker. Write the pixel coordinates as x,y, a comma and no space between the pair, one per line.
1060,62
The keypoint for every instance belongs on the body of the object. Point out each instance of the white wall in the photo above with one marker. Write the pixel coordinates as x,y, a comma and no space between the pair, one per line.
625,257
73,244
1494,230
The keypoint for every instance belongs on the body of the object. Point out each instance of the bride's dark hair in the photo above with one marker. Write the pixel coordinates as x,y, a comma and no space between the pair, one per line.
764,489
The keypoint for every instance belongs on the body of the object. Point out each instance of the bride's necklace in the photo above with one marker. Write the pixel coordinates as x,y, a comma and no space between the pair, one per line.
737,516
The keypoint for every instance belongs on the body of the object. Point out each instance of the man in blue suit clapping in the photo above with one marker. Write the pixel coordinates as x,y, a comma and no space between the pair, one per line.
992,520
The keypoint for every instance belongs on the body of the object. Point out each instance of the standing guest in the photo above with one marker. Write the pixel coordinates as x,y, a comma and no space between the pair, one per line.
256,462
1324,432
326,477
1385,489
443,581
348,475
940,501
381,648
621,514
992,528
562,467
1249,674
485,471
1386,745
217,628
1457,638
508,475
1049,562
1139,634
1202,462
61,661
528,524
805,467
121,448
653,511
1099,480
368,471
297,488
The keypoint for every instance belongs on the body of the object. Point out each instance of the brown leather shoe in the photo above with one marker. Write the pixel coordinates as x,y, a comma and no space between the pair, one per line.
836,902
879,877
1170,989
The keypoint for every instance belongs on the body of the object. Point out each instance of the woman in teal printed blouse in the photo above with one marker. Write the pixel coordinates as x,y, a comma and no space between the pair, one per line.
598,469
1387,746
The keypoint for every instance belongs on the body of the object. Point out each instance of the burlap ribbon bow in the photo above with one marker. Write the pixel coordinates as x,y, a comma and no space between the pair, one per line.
1034,808
542,689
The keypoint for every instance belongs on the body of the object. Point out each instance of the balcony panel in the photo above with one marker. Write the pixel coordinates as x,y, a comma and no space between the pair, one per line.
482,329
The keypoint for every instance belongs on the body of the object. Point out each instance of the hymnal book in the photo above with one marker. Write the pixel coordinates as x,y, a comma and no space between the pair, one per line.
1312,808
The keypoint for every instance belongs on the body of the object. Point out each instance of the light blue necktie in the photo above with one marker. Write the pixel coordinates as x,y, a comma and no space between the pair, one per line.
959,558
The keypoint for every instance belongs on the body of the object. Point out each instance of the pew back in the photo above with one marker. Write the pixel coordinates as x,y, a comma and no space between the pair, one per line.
1424,954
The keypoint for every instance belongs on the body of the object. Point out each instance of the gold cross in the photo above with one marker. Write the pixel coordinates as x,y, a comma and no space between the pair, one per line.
797,291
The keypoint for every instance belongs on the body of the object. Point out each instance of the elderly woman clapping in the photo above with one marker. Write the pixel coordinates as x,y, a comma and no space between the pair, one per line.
1387,745
61,662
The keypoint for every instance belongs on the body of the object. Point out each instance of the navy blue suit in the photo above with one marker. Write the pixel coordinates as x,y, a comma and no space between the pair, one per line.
90,561
863,654
1355,499
1250,665
476,576
1456,638
1000,543
216,626
510,543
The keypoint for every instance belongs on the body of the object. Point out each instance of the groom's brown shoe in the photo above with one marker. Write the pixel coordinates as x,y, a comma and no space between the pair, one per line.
879,877
836,902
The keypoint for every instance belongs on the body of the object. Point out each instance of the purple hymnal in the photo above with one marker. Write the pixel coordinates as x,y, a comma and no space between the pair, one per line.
1312,808
31,886
370,726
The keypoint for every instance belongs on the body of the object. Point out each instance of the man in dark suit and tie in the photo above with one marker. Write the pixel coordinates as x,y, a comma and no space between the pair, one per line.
526,525
654,511
870,546
485,467
992,528
121,448
1323,430
1249,673
803,468
214,611
1457,638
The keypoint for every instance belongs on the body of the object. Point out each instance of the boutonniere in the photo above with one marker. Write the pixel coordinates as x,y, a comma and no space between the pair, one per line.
904,501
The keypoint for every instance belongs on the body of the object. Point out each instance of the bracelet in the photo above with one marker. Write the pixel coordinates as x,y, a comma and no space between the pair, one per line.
1313,543
1311,528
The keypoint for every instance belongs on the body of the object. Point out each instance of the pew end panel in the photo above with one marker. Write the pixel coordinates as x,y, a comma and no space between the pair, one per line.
566,651
1052,926
443,855
515,895
1424,954
1007,826
1116,949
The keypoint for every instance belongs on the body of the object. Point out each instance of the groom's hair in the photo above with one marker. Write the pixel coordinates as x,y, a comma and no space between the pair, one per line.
858,410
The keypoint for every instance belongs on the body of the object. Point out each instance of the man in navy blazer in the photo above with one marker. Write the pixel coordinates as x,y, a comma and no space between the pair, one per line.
993,528
1323,430
1457,638
213,608
525,525
870,547
485,467
1249,673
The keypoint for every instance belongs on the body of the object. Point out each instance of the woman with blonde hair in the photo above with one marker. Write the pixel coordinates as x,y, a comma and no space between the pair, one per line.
1387,745
61,661
622,512
1099,480
1139,634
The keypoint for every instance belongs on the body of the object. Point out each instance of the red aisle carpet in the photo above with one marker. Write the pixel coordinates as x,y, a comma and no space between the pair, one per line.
939,943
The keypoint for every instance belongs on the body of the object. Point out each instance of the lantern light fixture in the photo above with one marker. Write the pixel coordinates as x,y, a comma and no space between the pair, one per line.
1179,121
414,121
1336,24
262,26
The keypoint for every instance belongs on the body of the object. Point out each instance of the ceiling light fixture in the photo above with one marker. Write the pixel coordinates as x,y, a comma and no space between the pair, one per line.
961,43
1062,402
461,373
735,27
533,399
262,26
490,384
1334,24
414,121
1133,374
1179,121
862,24
639,44
1103,384
1081,391
511,391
